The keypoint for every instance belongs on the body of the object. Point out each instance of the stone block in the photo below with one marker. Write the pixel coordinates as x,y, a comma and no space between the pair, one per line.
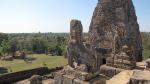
148,63
141,65
138,81
85,76
79,74
36,79
98,80
67,79
78,81
95,80
58,78
68,71
109,71
140,77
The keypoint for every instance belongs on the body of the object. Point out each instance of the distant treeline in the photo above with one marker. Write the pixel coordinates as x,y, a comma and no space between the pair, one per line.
48,43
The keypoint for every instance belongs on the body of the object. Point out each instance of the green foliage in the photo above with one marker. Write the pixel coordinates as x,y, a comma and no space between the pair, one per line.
3,43
3,37
146,44
38,43
9,46
4,47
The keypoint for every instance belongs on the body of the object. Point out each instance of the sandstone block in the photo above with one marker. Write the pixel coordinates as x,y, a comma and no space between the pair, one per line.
58,78
140,77
95,80
67,79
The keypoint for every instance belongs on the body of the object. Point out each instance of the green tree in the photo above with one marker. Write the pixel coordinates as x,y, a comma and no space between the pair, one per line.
4,47
3,36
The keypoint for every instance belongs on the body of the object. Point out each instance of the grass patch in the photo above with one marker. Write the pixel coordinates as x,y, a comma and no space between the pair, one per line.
146,54
19,65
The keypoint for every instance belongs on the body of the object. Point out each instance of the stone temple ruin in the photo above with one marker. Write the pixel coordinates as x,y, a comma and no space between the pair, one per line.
114,26
114,45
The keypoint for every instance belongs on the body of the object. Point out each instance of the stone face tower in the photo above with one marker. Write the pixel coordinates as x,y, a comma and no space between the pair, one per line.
114,25
82,66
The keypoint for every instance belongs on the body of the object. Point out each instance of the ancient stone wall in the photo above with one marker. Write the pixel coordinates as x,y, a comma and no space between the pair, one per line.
17,76
77,52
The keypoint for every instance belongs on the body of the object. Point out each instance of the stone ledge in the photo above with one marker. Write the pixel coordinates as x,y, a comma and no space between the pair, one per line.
97,80
109,71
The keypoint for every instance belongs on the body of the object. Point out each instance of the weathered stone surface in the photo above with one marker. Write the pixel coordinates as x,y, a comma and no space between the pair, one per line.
131,77
36,79
114,25
141,65
95,80
140,77
58,78
86,76
139,81
78,74
108,71
71,75
77,81
76,51
67,79
114,40
148,63
121,78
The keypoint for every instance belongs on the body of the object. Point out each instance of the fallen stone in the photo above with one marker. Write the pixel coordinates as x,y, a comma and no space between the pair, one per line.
36,79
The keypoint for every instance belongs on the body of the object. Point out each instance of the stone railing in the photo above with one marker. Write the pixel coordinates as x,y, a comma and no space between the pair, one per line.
17,76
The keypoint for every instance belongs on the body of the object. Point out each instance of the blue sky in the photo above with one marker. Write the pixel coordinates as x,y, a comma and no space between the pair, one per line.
54,15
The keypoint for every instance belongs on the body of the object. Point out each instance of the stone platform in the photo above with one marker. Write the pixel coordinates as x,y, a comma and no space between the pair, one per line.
72,76
67,79
131,77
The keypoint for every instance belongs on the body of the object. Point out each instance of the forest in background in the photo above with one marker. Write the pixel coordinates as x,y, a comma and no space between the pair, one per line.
33,43
47,43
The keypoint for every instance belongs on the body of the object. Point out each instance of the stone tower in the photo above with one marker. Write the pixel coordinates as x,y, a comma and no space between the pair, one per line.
83,67
76,31
114,26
